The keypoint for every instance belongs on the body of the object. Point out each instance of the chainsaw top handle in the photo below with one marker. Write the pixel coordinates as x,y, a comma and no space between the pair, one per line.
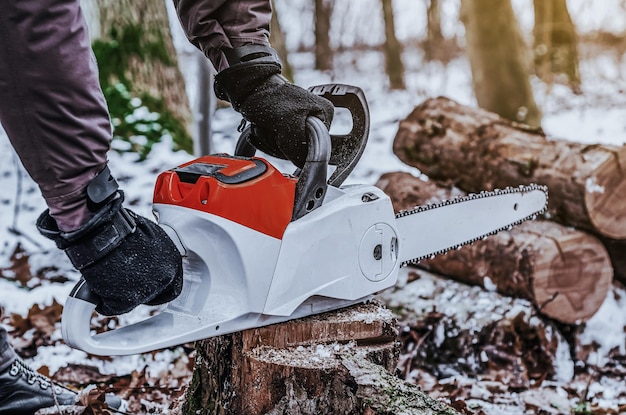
342,151
346,149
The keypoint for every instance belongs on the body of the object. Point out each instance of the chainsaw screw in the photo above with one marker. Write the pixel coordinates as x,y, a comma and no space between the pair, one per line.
204,201
369,197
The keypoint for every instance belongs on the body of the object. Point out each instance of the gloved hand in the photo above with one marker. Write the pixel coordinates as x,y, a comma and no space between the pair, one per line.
126,259
278,109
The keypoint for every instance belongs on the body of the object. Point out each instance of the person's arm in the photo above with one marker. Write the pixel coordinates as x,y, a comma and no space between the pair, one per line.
234,35
217,26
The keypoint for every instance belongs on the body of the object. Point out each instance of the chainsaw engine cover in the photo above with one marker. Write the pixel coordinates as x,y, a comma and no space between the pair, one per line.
248,191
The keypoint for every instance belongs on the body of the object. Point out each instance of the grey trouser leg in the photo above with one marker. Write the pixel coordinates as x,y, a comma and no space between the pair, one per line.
213,25
7,354
51,104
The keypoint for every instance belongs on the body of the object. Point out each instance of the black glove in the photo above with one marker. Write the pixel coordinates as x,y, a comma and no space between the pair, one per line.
278,109
126,259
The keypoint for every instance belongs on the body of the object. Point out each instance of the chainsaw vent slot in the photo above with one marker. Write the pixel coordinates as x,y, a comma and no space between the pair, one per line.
193,172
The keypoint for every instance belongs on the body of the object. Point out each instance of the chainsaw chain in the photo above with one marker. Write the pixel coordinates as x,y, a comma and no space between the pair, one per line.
473,196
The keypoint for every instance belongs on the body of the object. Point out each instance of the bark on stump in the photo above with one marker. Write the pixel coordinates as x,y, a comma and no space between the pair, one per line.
340,362
478,150
566,273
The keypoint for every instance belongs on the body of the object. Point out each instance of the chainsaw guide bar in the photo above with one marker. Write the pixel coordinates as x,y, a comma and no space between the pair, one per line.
532,189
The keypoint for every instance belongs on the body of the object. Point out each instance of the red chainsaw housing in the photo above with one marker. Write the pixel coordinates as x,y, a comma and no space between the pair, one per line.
248,191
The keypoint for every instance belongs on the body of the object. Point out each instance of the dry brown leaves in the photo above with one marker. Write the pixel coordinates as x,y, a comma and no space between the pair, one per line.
21,271
507,360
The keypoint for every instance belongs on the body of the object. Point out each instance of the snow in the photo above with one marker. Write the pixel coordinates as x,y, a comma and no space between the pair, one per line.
595,116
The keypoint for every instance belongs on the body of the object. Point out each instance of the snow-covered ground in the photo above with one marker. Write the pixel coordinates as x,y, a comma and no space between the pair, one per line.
597,115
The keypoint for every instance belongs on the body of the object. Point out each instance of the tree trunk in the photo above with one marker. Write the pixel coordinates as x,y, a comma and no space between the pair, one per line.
499,60
393,49
323,51
555,43
335,363
434,35
478,150
136,49
277,40
565,273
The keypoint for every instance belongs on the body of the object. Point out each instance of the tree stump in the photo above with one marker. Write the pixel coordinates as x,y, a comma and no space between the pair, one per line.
566,273
478,150
340,362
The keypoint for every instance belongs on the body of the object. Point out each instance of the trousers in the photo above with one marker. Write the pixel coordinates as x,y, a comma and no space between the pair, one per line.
51,104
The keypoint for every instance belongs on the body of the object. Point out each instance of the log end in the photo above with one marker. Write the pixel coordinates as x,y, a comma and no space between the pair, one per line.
571,284
605,196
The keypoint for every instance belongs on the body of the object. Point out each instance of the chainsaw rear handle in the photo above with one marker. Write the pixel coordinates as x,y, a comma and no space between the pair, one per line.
77,311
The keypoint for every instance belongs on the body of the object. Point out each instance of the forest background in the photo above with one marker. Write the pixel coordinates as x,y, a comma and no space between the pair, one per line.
424,51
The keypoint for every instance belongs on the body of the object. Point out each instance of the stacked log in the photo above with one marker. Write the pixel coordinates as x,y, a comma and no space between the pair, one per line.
564,272
476,150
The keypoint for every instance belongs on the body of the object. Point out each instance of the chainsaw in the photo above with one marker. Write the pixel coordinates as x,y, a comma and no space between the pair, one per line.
260,246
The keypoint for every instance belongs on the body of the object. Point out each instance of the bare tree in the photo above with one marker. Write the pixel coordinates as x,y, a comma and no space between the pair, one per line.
393,49
277,39
323,51
434,35
499,59
555,43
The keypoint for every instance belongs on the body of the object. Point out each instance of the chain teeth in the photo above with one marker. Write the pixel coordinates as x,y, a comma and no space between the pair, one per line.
473,196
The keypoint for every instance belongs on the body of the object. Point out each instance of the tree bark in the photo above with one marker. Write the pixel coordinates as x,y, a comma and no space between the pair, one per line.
434,35
565,273
334,363
499,60
277,40
477,150
323,51
393,49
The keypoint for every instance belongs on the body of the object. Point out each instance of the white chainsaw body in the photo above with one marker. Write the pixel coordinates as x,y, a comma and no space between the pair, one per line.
236,278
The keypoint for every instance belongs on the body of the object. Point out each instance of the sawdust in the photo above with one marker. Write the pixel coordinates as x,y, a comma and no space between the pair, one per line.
321,356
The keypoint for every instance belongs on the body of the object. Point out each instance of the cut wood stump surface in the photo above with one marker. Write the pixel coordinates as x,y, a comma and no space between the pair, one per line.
566,273
477,150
